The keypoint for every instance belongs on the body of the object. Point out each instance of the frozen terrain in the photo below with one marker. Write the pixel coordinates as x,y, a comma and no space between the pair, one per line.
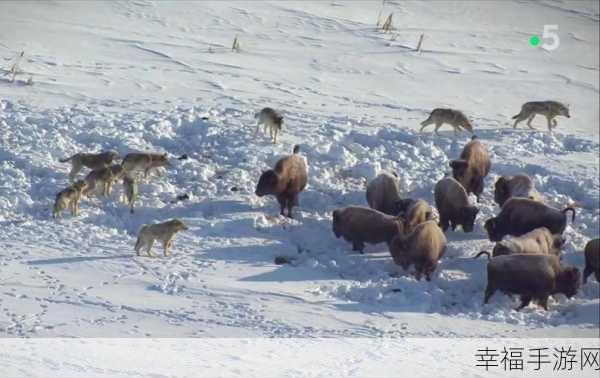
160,76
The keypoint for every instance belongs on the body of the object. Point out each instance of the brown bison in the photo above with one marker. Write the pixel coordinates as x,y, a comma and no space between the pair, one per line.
519,185
453,205
521,215
360,225
383,194
285,181
539,241
417,212
532,277
592,260
423,247
472,167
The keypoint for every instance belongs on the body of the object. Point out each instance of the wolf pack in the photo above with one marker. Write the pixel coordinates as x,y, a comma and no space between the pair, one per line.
527,232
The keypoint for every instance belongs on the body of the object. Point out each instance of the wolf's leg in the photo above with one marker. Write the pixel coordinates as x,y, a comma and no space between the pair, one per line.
257,127
75,168
549,119
554,123
90,189
437,127
275,136
531,117
166,245
150,243
425,123
139,245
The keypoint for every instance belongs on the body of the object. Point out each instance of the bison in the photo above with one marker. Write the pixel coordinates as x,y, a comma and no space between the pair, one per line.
453,205
423,247
519,185
532,277
592,260
521,215
472,167
360,225
285,181
539,241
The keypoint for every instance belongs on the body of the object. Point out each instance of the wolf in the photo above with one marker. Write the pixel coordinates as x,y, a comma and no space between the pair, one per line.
69,198
160,231
455,118
270,119
131,191
105,177
144,161
92,161
550,109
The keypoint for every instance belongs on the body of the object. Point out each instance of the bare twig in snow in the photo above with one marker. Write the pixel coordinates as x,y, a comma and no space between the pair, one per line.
420,42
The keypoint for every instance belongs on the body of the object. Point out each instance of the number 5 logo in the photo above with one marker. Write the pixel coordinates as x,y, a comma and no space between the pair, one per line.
550,34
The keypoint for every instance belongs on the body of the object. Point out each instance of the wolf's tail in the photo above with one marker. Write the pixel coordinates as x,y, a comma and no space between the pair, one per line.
138,242
572,209
66,159
516,116
427,121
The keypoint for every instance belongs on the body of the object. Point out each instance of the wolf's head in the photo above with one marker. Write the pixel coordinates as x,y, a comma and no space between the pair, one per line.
564,110
178,225
80,186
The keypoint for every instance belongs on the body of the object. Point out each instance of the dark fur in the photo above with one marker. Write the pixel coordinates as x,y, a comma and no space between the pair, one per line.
423,247
592,260
472,167
453,205
521,215
285,181
532,277
273,115
359,225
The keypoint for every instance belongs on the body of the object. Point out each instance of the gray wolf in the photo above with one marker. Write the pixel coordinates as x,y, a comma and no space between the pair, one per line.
270,119
91,161
549,109
453,117
164,232
144,161
69,198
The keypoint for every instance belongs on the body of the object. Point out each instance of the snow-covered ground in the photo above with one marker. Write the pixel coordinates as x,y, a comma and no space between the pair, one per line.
160,76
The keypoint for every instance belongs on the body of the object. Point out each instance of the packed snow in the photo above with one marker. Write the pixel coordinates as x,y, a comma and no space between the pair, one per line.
161,77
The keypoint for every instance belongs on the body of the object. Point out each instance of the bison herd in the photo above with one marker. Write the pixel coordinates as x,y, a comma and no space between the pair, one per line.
528,233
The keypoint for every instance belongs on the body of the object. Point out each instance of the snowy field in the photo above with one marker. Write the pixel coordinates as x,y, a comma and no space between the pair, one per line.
161,77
